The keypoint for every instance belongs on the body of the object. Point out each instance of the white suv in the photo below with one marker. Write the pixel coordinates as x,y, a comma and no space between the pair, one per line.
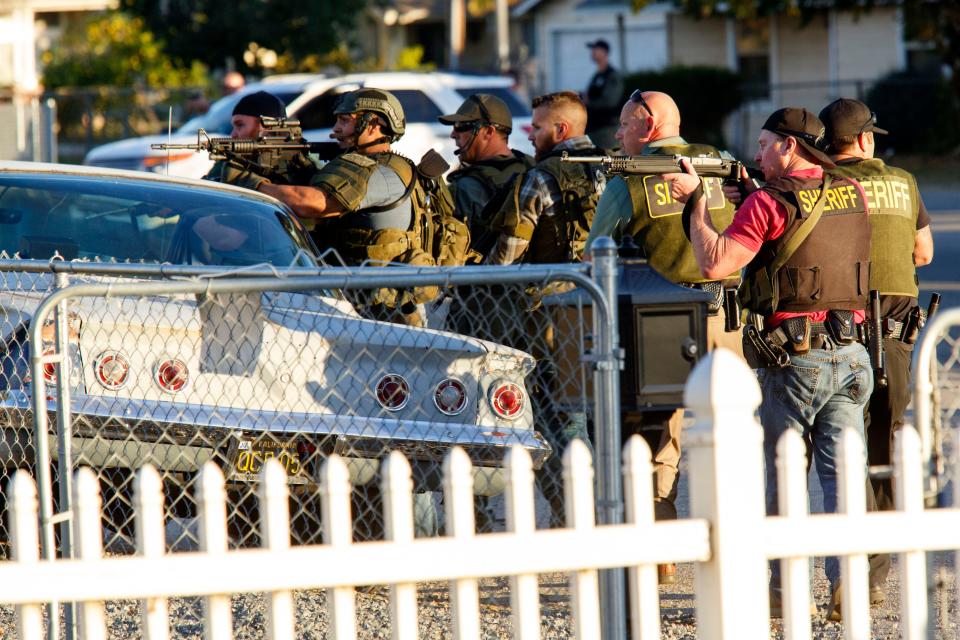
311,98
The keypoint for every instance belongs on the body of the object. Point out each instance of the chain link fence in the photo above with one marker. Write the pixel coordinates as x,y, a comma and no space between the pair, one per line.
174,372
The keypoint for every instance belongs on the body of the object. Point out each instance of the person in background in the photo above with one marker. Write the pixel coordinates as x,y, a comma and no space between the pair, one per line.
233,82
604,95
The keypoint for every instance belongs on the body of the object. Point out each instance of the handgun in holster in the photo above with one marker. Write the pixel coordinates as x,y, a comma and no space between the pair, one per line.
841,327
759,352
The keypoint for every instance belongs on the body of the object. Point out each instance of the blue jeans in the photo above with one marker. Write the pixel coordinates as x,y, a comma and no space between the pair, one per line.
818,395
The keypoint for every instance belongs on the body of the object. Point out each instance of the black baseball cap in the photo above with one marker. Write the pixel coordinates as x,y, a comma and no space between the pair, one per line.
805,127
259,104
601,43
848,117
484,108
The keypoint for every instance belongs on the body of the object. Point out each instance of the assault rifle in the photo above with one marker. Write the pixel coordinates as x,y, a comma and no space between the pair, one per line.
271,155
705,166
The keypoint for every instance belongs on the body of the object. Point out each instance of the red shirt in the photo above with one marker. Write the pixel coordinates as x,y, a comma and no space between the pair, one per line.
761,219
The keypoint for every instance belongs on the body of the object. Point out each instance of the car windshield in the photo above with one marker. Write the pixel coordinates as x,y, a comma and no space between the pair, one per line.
217,119
103,218
515,104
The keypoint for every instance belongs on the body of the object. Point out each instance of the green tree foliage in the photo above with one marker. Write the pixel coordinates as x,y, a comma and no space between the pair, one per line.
702,119
216,30
115,49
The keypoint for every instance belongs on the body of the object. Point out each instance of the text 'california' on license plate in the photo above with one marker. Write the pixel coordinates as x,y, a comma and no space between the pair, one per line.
248,456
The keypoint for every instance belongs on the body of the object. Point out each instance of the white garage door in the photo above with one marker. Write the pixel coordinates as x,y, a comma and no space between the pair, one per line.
571,65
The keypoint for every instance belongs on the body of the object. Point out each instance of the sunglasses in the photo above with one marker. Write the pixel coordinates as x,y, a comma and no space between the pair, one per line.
463,127
869,123
637,96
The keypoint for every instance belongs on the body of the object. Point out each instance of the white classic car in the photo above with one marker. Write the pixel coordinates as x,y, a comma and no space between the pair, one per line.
175,380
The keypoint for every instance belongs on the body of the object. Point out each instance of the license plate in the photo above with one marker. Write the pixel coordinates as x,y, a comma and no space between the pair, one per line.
249,455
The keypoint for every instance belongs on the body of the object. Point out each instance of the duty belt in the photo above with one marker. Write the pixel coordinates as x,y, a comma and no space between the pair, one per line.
714,288
892,328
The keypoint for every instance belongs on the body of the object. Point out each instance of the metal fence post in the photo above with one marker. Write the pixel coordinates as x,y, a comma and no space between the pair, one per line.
607,428
725,457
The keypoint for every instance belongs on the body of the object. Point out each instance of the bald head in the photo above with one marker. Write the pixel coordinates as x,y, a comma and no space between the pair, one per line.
642,121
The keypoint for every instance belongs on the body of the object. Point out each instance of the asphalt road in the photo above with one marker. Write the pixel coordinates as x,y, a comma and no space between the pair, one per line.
943,274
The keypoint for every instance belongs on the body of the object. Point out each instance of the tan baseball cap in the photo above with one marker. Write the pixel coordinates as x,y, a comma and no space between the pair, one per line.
483,108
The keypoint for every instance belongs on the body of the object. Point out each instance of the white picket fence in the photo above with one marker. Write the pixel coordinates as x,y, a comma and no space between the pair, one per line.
727,536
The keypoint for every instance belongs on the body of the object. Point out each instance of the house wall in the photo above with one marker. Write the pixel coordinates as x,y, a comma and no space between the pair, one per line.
871,45
698,42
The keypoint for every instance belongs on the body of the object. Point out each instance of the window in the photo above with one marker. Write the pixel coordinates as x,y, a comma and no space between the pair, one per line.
318,112
417,107
131,221
753,57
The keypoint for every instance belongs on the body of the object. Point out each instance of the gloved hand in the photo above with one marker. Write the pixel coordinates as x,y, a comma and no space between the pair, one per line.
241,177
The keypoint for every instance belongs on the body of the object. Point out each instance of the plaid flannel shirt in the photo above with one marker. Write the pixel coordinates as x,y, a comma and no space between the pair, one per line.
538,196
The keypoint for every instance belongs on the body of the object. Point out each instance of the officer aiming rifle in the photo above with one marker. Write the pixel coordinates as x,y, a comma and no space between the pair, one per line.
706,166
278,153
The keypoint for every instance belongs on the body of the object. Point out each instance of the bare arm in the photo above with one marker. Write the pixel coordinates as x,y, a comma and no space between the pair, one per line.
717,255
923,247
306,202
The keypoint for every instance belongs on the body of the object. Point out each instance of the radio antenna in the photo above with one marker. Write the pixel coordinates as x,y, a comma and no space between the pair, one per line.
169,137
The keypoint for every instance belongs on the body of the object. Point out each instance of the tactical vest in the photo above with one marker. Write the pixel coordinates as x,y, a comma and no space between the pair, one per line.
562,236
433,237
657,224
894,205
830,269
496,176
345,178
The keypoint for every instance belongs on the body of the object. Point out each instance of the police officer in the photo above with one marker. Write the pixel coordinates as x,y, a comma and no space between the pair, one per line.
481,128
603,95
361,200
901,241
807,233
642,207
245,122
549,218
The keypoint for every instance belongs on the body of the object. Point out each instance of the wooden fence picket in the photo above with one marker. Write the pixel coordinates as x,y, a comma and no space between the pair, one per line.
912,563
338,532
273,495
581,517
398,522
854,568
89,540
638,503
25,547
151,539
521,520
212,513
458,507
793,503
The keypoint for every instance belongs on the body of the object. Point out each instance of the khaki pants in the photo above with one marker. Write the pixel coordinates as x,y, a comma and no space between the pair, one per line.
661,429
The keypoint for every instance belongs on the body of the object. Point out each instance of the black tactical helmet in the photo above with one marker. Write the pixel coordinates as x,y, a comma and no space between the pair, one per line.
377,101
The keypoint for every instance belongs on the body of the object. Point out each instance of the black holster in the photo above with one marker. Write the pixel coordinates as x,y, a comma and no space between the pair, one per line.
761,353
